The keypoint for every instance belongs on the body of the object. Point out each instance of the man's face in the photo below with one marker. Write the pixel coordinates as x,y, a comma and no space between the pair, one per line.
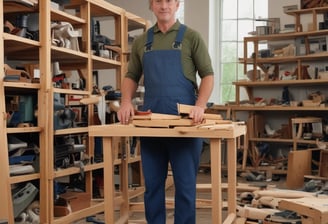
164,10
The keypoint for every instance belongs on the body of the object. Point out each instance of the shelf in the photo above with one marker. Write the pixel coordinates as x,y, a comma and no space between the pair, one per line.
96,207
68,131
76,67
307,11
305,82
288,59
20,48
281,140
285,36
261,118
24,130
104,63
23,178
68,56
276,108
12,7
76,170
21,87
57,15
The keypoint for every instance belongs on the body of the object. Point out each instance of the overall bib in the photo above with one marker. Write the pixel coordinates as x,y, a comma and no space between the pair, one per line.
165,86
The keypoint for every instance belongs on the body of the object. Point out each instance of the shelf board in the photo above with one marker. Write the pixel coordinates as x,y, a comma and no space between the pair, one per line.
135,22
67,131
100,8
69,56
71,91
23,130
21,87
14,7
57,15
96,207
275,108
104,63
23,178
307,11
20,48
285,36
305,82
288,59
74,170
271,140
282,140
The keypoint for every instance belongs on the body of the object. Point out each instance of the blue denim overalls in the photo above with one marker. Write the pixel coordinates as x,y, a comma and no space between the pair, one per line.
165,86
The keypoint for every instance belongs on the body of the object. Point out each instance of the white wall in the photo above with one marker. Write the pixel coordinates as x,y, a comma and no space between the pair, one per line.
276,10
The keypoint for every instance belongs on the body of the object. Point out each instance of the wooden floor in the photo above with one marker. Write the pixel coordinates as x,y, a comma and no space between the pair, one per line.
203,215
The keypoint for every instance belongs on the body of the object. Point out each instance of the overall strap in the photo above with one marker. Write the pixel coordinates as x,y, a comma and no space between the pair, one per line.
179,37
150,39
176,44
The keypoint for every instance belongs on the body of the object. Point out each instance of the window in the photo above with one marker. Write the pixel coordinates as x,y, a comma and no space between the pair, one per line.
238,18
180,12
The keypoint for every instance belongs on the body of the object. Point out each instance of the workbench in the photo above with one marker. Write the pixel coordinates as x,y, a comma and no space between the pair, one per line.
215,133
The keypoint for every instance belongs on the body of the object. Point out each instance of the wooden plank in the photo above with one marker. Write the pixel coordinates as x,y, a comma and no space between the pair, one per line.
323,167
240,220
230,218
255,213
156,116
224,186
281,193
299,164
316,208
162,123
316,177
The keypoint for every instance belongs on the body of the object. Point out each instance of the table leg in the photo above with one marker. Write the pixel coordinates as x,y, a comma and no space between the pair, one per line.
215,145
109,186
232,175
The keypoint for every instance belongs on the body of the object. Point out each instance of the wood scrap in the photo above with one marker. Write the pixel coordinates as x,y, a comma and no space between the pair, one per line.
255,213
283,193
267,201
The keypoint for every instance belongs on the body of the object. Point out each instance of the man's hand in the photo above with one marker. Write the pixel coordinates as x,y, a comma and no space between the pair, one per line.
125,113
197,114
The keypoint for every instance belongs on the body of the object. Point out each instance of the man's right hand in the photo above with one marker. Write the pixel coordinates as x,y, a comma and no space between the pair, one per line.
125,113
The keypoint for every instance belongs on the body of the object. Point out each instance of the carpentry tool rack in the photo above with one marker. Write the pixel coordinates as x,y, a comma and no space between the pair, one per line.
258,94
40,52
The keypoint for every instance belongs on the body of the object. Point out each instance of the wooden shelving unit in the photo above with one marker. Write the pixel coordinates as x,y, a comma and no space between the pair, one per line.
42,53
266,88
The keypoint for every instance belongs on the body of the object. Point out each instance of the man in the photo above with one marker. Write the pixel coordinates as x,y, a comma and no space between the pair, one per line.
169,55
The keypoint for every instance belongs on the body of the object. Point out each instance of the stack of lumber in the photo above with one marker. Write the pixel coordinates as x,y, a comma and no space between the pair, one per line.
150,119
